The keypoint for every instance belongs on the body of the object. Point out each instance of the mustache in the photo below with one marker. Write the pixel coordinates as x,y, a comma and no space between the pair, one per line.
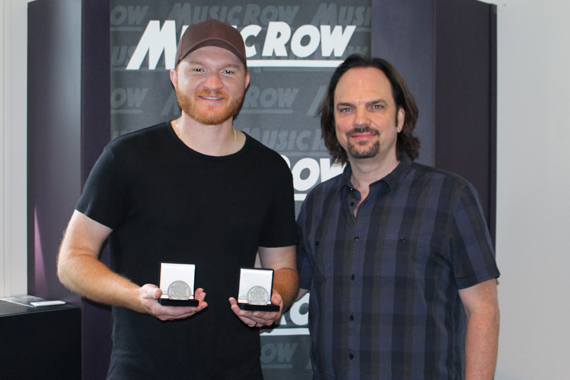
363,129
217,94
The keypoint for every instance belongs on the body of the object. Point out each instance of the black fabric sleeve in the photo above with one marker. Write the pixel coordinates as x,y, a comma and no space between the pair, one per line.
472,250
103,198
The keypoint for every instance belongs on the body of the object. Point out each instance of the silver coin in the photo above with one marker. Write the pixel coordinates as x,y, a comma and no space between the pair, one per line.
257,296
179,290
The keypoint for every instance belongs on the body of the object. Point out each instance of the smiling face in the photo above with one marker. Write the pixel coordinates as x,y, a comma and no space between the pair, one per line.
210,84
367,121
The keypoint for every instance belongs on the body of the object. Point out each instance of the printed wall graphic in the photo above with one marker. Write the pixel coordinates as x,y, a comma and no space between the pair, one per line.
292,49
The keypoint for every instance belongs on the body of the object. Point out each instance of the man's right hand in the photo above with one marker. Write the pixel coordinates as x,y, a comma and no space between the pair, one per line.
149,295
80,270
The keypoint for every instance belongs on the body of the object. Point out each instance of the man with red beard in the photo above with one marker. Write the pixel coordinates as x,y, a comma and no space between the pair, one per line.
197,191
396,255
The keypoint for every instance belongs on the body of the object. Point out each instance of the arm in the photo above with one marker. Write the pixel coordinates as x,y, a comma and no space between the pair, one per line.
285,285
285,279
481,343
80,270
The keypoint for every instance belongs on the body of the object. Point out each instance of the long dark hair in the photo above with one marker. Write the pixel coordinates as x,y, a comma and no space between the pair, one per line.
407,140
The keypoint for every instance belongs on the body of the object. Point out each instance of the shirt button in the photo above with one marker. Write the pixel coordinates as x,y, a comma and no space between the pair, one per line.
352,203
351,356
353,277
351,317
356,238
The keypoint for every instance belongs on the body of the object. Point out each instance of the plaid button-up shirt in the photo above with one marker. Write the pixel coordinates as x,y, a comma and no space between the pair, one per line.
384,300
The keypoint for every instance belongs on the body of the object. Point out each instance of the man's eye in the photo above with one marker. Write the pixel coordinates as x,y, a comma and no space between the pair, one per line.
346,109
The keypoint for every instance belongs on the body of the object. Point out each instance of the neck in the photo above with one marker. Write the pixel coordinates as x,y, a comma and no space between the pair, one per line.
367,171
211,140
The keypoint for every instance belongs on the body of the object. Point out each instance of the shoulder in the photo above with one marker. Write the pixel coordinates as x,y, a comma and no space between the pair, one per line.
449,191
327,186
431,176
260,149
139,139
322,193
264,156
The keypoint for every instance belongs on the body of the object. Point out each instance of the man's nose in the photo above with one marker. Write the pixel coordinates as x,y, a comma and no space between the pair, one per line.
361,116
213,82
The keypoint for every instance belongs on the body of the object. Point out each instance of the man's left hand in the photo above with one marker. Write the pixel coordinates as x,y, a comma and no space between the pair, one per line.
259,318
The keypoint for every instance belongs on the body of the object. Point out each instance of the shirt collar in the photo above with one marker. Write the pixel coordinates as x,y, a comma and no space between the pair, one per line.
393,179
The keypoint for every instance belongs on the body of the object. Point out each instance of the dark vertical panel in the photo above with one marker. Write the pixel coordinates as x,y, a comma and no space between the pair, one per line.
464,107
54,117
446,52
492,216
68,127
403,33
96,133
96,74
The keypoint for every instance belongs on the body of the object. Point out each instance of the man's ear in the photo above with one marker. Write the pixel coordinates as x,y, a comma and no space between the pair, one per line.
400,119
246,80
174,77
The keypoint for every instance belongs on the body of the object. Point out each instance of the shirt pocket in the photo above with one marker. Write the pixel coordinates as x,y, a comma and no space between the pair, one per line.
332,256
407,257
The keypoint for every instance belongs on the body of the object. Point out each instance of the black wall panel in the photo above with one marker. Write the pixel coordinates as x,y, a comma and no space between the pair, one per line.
446,52
465,93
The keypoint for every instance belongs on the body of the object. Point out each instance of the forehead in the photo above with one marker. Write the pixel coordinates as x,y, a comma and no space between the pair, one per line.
363,84
213,55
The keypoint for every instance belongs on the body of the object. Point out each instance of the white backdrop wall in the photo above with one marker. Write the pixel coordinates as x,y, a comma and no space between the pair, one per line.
532,183
13,70
532,204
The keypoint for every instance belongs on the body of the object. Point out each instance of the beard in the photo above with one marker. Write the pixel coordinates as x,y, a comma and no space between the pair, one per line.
363,149
208,116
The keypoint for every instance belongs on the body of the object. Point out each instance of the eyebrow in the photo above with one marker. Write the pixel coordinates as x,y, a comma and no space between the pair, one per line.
229,64
370,103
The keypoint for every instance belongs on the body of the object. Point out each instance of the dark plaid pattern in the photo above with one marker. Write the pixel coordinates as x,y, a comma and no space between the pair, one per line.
384,285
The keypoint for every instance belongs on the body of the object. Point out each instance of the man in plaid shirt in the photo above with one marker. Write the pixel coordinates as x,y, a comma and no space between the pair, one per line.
396,255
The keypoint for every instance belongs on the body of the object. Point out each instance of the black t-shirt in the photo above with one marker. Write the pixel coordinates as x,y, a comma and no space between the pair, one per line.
168,203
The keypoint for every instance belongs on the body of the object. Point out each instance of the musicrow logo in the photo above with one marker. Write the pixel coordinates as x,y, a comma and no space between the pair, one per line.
280,42
271,40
